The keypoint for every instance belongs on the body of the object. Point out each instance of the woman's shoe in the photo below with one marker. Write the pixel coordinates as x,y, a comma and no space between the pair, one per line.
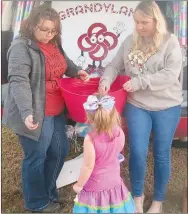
139,202
156,207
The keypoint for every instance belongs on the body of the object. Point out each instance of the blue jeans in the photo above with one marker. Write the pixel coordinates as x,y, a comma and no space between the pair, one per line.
43,161
163,125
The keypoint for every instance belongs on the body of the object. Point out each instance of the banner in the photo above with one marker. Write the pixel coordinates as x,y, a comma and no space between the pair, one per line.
92,31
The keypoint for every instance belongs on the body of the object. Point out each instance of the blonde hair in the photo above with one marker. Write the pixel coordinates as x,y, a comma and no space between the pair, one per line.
104,120
152,10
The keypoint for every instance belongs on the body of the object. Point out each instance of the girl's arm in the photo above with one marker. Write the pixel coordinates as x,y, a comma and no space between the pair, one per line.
122,139
88,164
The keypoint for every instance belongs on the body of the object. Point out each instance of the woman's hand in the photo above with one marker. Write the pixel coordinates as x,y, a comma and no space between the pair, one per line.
128,86
103,90
29,123
77,189
83,75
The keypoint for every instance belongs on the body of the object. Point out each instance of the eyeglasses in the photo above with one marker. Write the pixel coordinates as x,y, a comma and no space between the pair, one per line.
53,32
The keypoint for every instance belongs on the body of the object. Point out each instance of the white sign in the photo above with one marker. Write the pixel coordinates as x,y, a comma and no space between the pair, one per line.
70,172
92,31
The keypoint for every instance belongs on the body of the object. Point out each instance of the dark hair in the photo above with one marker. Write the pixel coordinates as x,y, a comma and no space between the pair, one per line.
42,12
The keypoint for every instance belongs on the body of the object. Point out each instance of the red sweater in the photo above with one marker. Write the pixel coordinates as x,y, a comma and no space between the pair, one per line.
55,67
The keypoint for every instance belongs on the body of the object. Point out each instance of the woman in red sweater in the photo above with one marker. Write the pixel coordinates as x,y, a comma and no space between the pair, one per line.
34,106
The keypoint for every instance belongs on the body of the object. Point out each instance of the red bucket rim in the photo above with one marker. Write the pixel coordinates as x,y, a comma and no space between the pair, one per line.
83,95
86,95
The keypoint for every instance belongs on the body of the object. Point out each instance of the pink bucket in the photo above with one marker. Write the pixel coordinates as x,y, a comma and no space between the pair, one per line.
75,93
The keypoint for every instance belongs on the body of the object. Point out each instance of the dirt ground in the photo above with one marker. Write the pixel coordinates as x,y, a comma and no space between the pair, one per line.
12,201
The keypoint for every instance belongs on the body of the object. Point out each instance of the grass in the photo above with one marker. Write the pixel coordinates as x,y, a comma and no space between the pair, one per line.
12,155
12,200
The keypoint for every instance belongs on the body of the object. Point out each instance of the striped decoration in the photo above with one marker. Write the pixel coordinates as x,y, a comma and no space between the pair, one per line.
180,21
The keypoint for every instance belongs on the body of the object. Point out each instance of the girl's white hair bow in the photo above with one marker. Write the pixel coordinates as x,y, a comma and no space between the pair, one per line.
92,104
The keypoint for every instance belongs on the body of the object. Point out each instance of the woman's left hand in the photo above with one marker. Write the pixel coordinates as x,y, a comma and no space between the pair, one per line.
83,75
128,86
77,189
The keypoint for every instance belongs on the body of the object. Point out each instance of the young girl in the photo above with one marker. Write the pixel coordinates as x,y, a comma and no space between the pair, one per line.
100,188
